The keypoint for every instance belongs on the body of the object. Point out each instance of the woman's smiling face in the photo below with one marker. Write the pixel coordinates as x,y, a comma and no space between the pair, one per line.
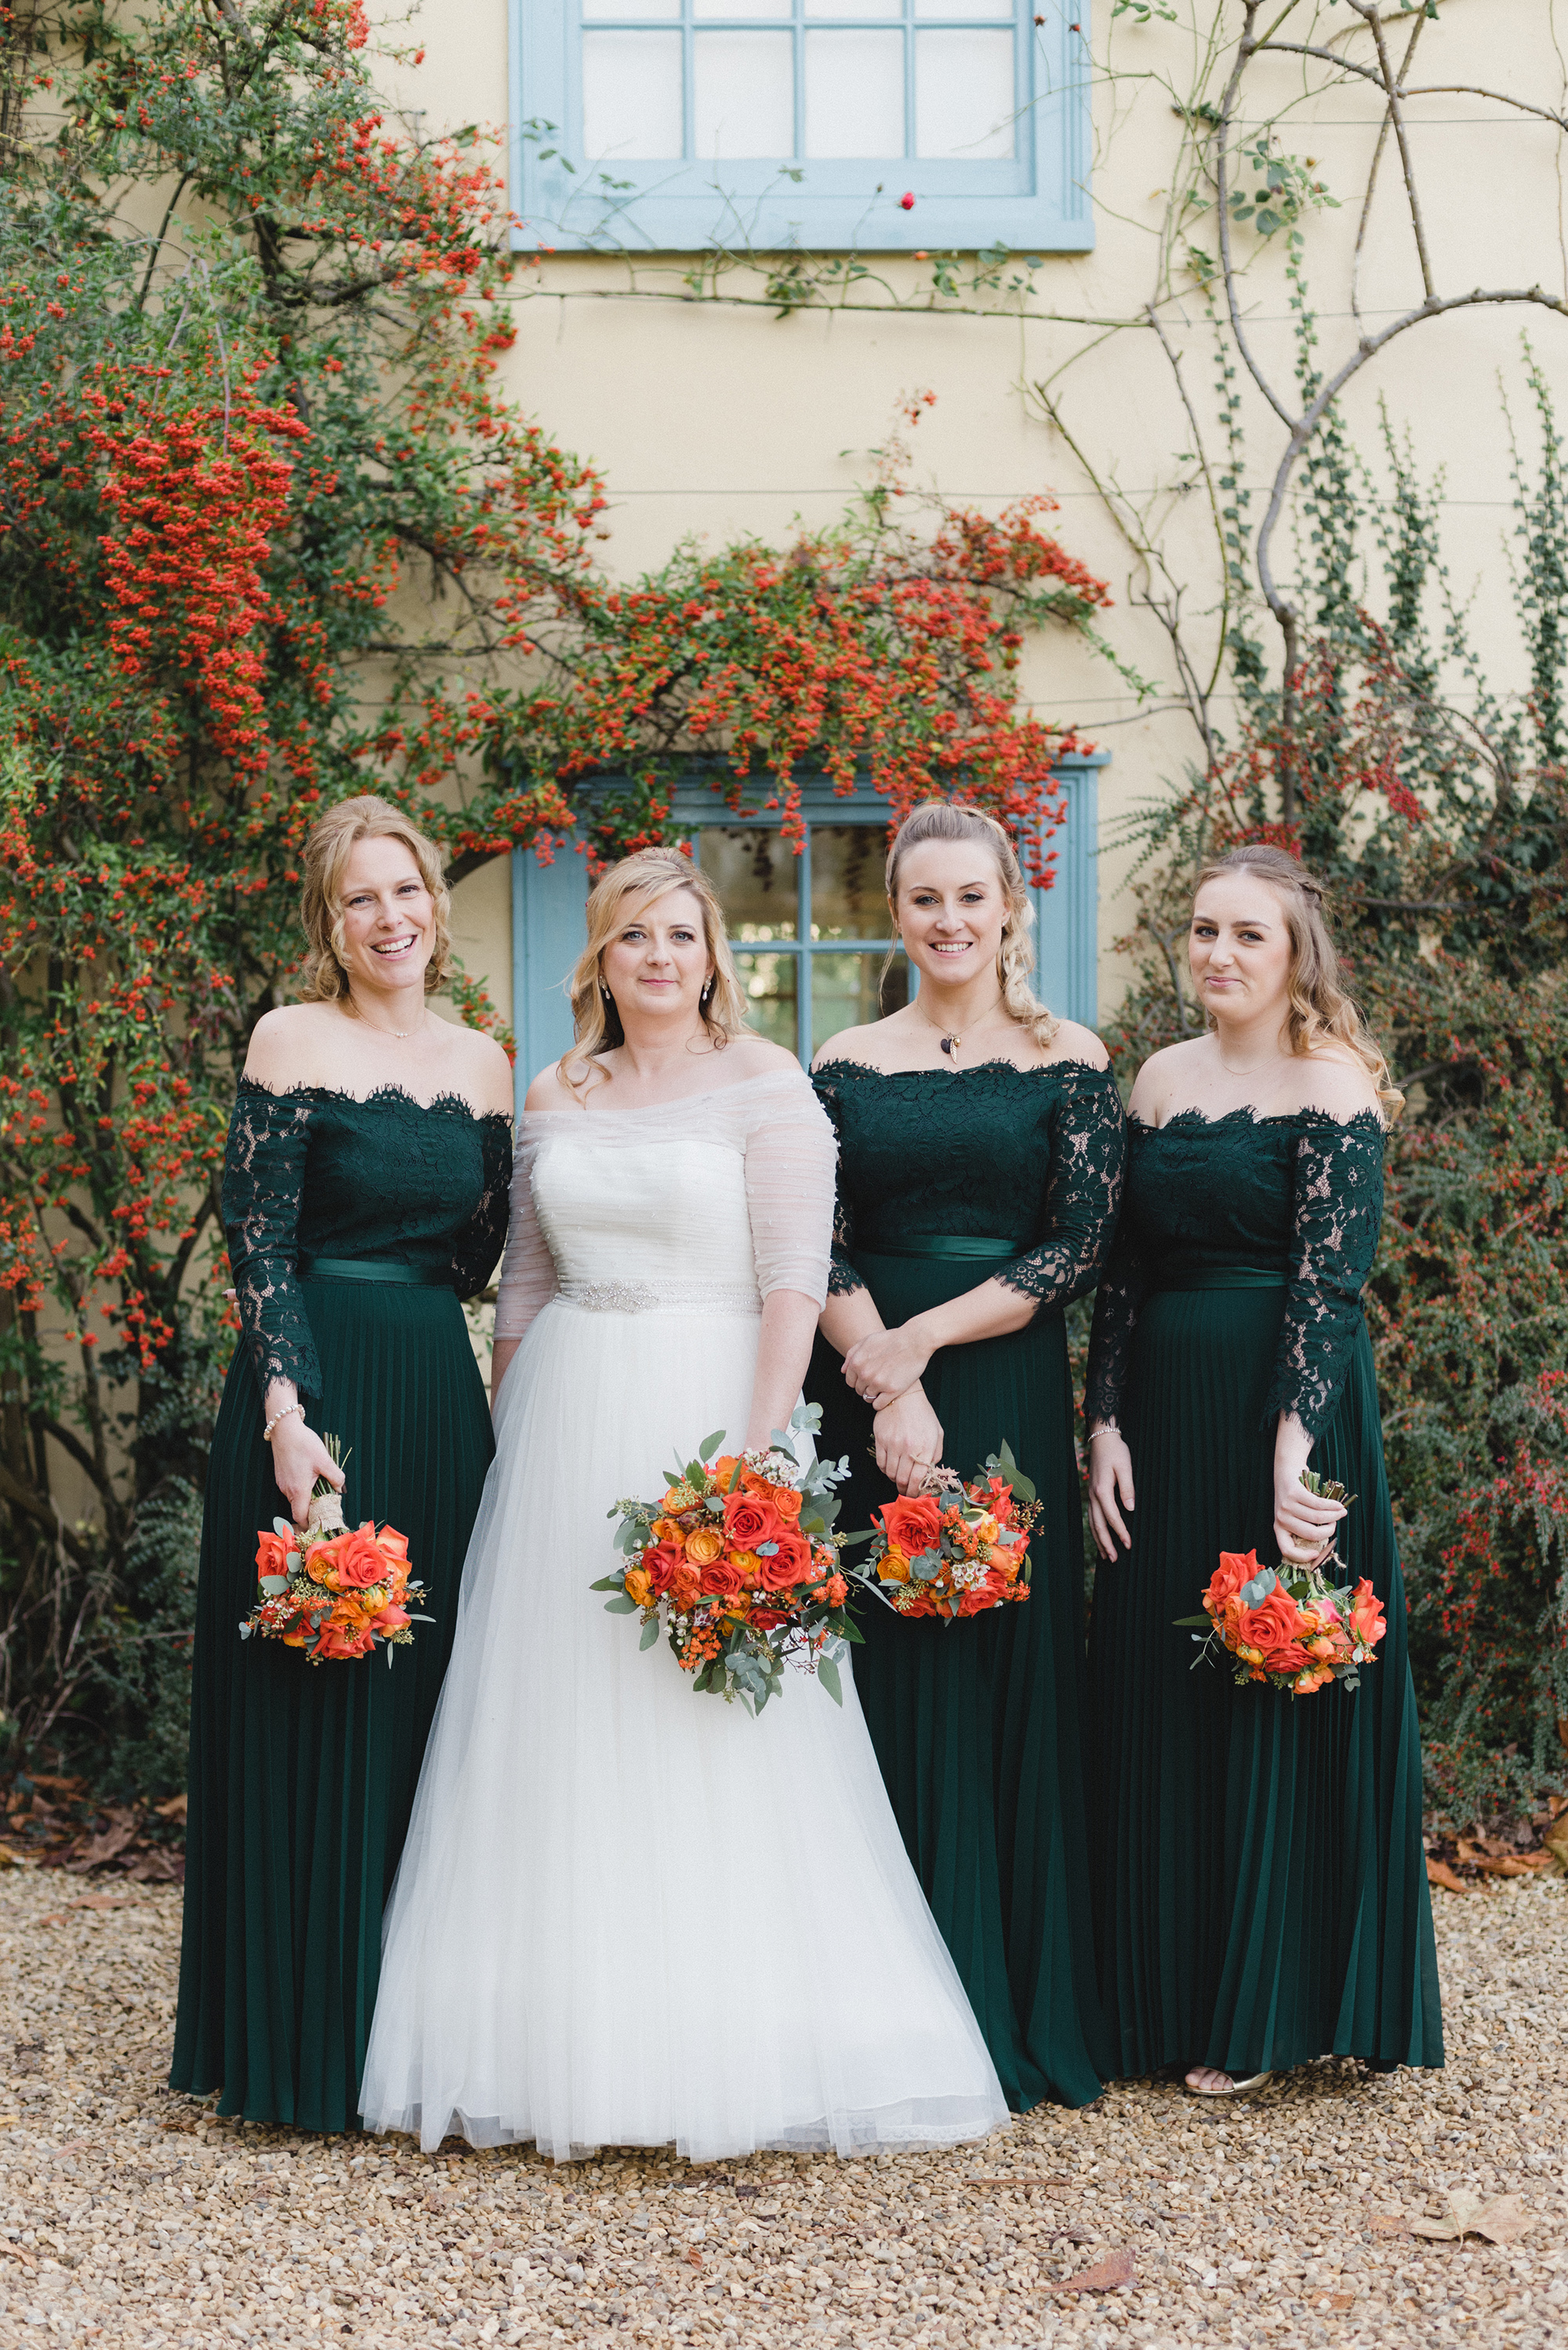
658,963
1239,948
950,910
387,915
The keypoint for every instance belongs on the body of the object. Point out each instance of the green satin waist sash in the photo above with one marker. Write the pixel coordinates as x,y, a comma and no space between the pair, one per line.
375,1268
952,1245
1225,1277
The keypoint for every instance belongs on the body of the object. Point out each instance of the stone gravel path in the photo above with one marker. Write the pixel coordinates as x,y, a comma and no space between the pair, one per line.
130,2215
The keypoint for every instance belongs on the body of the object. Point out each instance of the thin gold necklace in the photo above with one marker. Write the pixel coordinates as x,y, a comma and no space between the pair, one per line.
950,1038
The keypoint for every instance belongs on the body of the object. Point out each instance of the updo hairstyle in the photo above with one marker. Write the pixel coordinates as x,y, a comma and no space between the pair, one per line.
326,851
1320,1010
951,820
637,883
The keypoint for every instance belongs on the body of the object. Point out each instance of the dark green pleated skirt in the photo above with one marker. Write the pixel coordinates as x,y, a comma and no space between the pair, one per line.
978,1725
1261,1883
303,1776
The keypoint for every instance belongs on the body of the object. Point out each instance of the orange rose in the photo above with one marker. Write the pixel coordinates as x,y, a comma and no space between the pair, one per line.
704,1546
768,1619
637,1586
790,1562
272,1554
894,1567
669,1532
748,1566
722,1470
360,1562
338,1641
391,1619
1367,1619
721,1578
785,1498
685,1587
1272,1630
658,1564
914,1522
1228,1577
321,1563
395,1544
750,1521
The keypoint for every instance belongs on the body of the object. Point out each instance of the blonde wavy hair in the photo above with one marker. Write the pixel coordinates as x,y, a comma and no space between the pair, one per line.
951,820
650,874
1320,1010
327,853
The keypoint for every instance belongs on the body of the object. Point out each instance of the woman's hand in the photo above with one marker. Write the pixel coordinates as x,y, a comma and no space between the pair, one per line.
887,1364
1110,1481
1306,1524
299,1459
909,1439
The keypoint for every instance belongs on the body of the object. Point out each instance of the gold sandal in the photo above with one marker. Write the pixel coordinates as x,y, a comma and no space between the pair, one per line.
1236,2089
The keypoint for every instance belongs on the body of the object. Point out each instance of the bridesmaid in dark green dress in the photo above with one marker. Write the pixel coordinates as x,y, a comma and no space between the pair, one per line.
981,1150
1261,1882
365,1192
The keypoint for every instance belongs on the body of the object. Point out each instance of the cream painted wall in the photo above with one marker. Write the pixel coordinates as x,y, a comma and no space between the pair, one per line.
720,421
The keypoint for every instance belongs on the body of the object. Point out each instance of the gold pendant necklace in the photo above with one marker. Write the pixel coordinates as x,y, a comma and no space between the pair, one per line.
950,1039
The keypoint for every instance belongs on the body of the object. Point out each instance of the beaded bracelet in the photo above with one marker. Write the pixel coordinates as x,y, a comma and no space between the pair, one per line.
287,1413
1110,1429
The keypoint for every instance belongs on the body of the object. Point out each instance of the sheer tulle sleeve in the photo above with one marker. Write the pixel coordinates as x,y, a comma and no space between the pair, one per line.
1088,1156
263,1181
1337,1216
480,1241
790,1158
842,1277
528,1279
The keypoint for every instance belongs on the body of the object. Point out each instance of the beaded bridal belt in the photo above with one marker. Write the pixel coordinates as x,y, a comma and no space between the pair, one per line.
662,1297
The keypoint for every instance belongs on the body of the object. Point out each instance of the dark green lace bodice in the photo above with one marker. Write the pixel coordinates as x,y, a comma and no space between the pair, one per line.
1032,1156
310,1172
1300,1194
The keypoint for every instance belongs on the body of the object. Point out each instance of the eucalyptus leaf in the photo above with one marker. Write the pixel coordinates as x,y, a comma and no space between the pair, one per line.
828,1674
650,1633
709,1445
272,1583
606,1582
620,1606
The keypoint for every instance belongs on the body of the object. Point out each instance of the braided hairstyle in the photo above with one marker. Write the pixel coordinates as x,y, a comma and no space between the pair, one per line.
953,820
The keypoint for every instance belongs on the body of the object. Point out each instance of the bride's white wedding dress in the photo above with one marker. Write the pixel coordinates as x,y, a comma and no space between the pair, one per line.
627,1915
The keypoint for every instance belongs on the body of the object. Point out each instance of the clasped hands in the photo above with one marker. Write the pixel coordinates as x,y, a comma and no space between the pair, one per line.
885,1368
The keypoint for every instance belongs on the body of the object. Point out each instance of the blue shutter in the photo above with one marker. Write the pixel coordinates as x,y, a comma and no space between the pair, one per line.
548,937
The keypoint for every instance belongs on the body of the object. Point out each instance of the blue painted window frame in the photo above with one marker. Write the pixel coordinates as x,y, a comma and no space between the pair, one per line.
1036,202
548,903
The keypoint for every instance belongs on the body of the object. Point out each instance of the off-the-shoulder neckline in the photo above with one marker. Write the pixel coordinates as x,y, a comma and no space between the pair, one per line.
445,1102
1198,1118
1019,1068
782,1077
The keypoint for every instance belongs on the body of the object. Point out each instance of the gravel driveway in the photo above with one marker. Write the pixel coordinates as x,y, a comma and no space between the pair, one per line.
130,2215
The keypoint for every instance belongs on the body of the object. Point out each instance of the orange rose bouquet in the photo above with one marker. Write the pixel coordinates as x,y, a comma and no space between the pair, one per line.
1295,1629
737,1564
953,1549
335,1591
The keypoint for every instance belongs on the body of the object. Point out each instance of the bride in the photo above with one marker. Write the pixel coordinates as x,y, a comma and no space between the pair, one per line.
626,1914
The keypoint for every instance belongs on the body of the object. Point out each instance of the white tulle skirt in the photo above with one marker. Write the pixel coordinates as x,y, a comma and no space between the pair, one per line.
627,1915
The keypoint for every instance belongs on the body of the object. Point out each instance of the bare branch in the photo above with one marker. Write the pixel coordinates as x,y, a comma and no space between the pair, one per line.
1366,10
1245,48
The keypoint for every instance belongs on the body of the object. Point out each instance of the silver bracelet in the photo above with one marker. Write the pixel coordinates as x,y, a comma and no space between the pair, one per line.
1110,1429
287,1413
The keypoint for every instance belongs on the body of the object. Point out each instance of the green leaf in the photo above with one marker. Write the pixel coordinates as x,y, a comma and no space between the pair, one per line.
828,1674
272,1583
1185,1622
709,1445
606,1582
650,1633
620,1606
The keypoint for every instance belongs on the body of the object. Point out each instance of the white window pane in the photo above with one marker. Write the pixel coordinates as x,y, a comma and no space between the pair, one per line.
854,94
774,8
950,8
963,96
593,9
631,97
859,9
742,95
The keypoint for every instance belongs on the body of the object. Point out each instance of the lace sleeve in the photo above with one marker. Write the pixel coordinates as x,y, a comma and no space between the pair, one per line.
264,1178
790,1156
528,1279
842,1277
1337,1215
480,1241
1118,1301
1088,1152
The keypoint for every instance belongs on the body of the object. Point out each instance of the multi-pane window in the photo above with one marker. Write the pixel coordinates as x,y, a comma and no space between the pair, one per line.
810,931
885,124
823,80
